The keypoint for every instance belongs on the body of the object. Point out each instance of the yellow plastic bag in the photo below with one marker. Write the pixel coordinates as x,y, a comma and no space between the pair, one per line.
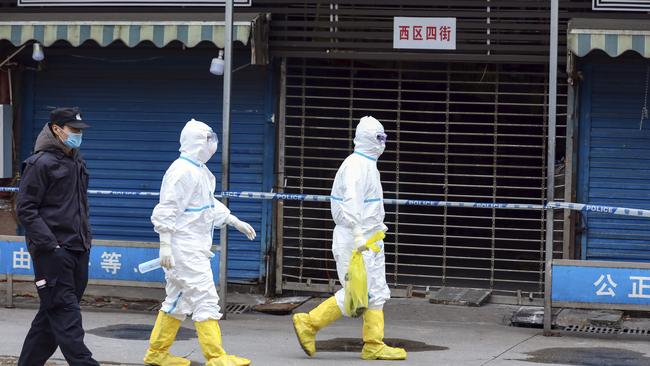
356,282
356,286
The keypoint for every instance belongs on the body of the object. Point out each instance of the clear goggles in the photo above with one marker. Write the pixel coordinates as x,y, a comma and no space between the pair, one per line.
212,137
382,137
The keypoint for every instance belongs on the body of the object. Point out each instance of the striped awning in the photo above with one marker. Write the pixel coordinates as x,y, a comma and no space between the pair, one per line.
130,32
613,36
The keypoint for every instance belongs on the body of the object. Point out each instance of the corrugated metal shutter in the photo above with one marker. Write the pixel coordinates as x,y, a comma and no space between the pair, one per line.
137,102
614,158
457,132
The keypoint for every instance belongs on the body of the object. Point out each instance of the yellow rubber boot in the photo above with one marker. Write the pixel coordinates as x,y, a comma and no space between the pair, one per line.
374,347
210,341
162,337
307,325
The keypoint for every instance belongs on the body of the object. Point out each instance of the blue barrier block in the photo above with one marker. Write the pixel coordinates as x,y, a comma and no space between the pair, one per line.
116,263
121,263
602,283
16,259
3,265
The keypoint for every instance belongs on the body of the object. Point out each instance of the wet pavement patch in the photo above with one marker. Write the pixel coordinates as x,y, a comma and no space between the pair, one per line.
588,357
136,332
355,345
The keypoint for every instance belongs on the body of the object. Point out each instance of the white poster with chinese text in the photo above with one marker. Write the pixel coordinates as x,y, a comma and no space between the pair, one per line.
424,33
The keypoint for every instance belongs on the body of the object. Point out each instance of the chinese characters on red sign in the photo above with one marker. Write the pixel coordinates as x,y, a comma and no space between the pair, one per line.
424,33
415,33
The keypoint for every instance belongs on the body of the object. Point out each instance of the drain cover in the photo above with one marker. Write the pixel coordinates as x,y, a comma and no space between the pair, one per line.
356,344
238,308
136,332
607,330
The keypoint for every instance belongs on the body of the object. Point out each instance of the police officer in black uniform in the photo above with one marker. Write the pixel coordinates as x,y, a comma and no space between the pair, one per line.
52,207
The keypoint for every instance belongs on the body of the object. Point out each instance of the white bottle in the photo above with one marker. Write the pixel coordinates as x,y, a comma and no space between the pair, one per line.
149,266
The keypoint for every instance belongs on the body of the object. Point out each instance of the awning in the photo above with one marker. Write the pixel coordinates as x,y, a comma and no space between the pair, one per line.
130,28
613,36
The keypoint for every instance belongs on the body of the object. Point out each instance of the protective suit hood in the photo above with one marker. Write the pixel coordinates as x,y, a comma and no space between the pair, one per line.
365,139
195,141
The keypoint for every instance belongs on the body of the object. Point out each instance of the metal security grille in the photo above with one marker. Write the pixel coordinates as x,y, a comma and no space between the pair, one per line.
489,31
457,132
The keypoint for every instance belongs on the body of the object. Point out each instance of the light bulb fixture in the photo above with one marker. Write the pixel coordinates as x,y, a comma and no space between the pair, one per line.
37,52
216,66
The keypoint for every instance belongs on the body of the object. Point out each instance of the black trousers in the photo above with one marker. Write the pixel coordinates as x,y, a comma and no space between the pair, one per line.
61,277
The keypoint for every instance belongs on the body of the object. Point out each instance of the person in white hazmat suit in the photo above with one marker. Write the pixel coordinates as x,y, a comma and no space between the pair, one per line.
358,211
185,219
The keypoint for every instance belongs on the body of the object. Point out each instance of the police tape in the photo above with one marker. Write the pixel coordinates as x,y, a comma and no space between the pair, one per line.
317,198
585,207
388,201
623,211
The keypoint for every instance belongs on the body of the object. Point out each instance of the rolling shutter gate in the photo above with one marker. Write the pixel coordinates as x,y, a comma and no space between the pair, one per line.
614,157
613,135
137,101
457,132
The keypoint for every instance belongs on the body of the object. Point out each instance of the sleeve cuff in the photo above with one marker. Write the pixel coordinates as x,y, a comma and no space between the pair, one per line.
165,238
231,220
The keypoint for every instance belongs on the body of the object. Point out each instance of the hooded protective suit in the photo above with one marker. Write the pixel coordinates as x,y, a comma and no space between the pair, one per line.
185,219
358,211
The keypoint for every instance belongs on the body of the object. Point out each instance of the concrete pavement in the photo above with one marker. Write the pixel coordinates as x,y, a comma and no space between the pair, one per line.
457,335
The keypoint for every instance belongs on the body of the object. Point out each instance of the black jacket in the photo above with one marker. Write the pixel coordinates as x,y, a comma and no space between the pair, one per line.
52,203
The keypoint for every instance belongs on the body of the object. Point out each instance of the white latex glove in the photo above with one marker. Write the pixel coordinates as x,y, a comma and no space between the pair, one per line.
165,253
358,239
242,227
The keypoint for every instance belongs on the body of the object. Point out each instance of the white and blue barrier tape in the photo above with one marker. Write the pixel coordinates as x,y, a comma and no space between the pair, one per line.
624,211
388,201
585,207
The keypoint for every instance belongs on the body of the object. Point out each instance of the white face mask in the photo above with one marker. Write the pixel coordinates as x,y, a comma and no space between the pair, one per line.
381,148
212,143
381,139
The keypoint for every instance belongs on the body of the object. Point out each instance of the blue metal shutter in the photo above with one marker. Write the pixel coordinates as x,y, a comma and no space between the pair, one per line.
137,101
614,159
